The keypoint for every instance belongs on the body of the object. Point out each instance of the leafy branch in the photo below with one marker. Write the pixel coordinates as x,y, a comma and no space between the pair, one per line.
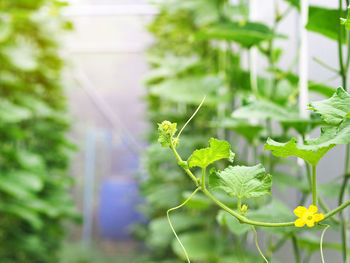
252,181
241,218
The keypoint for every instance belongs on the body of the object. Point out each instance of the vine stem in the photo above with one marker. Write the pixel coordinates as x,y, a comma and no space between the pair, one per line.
172,227
314,186
203,178
296,249
321,242
257,244
343,74
194,179
241,218
337,210
192,116
340,46
239,205
343,229
319,199
326,210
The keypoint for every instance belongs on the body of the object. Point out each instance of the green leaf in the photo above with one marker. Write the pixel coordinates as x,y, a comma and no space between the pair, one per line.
30,181
217,150
22,56
240,256
200,246
232,223
164,197
248,130
311,243
275,211
198,201
286,180
13,187
30,160
11,113
38,107
346,21
319,88
330,189
325,22
245,33
23,212
288,117
334,109
263,110
295,3
310,153
169,66
202,12
242,181
314,149
5,27
190,90
161,235
303,126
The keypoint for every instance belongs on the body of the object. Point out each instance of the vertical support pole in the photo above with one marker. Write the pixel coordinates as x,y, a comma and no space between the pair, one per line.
222,46
253,52
89,186
303,62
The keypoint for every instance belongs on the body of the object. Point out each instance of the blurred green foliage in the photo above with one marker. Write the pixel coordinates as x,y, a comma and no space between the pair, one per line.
34,149
94,253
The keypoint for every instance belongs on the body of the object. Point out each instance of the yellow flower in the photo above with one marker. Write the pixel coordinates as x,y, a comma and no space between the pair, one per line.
307,216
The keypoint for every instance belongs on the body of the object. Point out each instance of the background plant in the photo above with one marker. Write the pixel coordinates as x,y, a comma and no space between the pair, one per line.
34,152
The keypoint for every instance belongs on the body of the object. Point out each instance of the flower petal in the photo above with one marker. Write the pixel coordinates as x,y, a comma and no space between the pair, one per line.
313,209
318,217
299,211
310,223
299,222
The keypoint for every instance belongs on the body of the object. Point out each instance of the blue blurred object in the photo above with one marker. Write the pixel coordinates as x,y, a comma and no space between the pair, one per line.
117,208
124,161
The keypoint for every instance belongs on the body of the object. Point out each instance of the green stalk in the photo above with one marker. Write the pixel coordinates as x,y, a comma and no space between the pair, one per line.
340,46
172,227
307,167
269,132
342,217
296,249
314,186
276,246
190,174
343,73
241,218
337,210
326,210
203,178
321,242
319,199
257,245
307,258
239,205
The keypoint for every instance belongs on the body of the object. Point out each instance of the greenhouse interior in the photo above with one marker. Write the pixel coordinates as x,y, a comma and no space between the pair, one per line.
170,131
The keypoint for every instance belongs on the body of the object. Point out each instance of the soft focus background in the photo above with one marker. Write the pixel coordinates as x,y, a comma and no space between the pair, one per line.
103,80
107,56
